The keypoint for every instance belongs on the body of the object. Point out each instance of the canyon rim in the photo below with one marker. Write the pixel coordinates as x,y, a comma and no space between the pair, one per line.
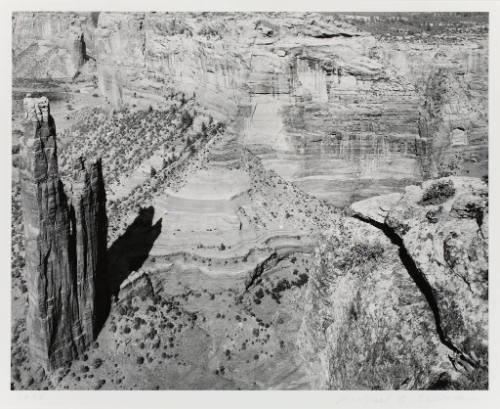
248,201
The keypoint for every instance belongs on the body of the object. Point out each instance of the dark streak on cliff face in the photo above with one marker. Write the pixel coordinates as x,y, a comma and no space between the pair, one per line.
65,244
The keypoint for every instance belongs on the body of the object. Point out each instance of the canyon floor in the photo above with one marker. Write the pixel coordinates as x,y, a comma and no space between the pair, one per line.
292,239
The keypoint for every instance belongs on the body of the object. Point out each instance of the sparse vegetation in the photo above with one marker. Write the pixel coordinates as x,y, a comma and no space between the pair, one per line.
438,193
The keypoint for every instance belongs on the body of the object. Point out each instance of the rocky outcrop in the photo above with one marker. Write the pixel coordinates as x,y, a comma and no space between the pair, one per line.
65,244
441,228
366,324
398,298
451,125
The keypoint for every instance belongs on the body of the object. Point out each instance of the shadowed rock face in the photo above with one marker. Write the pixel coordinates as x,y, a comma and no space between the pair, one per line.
65,244
80,50
90,226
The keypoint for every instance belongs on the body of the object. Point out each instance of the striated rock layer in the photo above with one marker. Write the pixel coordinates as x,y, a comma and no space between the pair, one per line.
51,45
325,104
65,244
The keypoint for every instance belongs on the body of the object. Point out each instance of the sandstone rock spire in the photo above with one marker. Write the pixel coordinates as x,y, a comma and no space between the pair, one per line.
65,244
79,50
90,221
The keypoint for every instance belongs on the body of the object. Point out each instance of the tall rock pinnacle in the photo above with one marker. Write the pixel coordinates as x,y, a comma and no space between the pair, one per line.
90,221
79,50
65,244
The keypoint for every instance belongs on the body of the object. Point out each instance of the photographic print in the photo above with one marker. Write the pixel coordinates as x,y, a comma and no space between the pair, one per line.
249,200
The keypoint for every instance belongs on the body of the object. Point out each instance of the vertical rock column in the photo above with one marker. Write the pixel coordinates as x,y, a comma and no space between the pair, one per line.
65,244
79,50
53,320
90,221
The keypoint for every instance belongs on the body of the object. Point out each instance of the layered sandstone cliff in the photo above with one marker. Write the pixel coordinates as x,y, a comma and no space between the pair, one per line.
452,126
51,45
65,244
323,103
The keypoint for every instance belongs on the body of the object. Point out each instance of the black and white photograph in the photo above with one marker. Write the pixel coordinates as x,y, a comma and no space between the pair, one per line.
249,200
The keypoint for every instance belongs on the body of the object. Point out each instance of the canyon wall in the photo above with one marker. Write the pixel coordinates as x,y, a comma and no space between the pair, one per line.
324,104
52,46
65,244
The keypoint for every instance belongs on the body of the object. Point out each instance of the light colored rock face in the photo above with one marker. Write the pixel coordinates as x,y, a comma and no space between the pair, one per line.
368,340
443,227
65,244
453,125
51,45
323,104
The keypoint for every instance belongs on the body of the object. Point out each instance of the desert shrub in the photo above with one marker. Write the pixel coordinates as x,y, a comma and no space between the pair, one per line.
452,320
208,31
140,360
281,286
438,193
186,119
364,358
367,252
100,383
16,162
302,280
475,379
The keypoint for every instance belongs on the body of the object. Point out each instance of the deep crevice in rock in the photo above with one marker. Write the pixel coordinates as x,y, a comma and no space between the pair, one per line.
421,282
